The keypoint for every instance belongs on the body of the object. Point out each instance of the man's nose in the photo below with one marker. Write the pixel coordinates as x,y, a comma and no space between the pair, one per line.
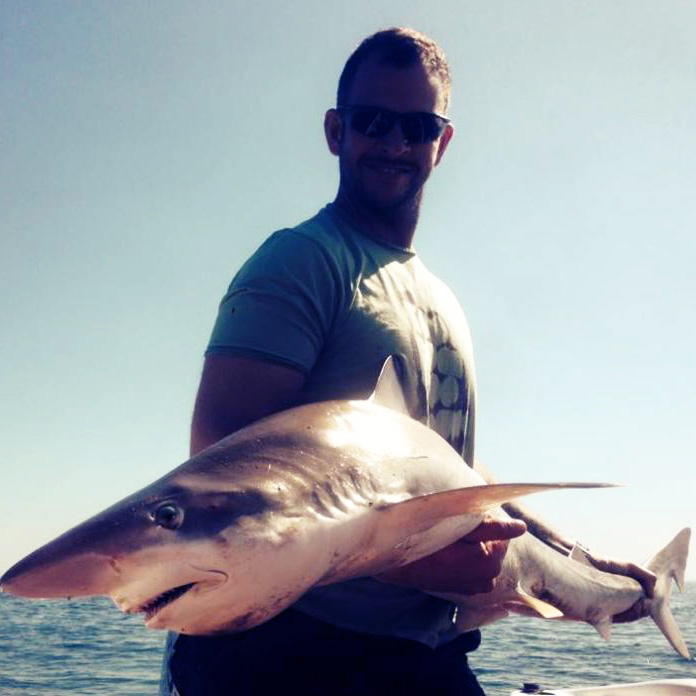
394,141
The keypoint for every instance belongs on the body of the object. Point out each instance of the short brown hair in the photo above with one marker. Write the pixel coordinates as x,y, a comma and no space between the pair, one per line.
401,48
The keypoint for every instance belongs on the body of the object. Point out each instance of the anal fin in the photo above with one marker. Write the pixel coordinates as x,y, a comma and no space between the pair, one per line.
604,626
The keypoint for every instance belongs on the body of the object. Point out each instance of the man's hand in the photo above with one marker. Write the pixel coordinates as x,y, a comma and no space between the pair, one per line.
646,578
469,566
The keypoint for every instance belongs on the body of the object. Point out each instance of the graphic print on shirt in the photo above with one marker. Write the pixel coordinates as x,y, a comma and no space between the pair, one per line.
442,402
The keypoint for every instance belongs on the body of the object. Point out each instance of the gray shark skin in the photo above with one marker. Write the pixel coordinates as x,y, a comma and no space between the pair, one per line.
310,496
538,581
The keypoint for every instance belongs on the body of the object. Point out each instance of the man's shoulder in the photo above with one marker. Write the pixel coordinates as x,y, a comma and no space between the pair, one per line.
317,240
320,231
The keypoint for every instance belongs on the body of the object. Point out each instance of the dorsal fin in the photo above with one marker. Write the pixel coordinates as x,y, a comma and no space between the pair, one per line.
388,390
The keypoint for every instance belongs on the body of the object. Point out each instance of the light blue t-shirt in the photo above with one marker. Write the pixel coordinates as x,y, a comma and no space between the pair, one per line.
329,301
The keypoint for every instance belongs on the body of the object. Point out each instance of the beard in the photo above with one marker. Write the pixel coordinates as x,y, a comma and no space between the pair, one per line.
386,187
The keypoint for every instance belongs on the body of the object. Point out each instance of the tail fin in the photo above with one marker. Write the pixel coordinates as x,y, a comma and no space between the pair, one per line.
669,564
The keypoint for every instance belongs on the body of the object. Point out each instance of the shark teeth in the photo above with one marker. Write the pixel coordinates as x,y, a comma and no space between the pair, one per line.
154,605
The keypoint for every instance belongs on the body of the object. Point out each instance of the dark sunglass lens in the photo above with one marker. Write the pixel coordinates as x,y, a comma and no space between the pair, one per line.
368,120
421,127
432,127
413,128
381,124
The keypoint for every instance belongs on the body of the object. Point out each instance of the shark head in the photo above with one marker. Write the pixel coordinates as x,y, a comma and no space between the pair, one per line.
178,552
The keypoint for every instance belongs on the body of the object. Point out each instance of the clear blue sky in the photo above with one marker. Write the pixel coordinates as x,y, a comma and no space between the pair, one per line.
147,148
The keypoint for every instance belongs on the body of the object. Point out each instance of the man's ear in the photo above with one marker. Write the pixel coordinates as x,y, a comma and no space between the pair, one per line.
333,130
444,142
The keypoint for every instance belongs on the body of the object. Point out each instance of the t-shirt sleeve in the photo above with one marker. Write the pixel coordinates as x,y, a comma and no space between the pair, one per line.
281,304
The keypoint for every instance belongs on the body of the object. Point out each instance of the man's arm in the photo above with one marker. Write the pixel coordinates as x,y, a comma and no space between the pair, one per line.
235,391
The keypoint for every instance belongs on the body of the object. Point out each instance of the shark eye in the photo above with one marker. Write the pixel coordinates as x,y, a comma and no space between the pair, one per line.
168,515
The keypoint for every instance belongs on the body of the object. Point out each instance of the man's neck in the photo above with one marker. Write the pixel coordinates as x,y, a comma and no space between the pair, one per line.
395,226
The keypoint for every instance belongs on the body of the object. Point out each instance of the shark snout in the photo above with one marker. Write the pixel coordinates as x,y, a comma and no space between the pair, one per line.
78,575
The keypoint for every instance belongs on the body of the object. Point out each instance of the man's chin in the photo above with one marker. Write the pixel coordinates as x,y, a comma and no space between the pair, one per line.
394,204
388,198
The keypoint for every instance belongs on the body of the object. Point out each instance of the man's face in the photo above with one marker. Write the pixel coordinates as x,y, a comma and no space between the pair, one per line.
386,173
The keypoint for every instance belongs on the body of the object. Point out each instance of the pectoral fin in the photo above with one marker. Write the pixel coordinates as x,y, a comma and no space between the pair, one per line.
407,528
542,609
475,500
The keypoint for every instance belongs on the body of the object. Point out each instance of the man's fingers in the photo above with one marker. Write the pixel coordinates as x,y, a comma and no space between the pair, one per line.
646,578
493,529
637,611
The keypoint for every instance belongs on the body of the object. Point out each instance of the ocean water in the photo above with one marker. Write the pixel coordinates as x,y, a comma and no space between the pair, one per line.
87,648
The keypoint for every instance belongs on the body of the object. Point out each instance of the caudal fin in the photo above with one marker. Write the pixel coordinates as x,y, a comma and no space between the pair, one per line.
669,564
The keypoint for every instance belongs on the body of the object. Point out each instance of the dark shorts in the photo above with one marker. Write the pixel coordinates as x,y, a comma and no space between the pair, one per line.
298,654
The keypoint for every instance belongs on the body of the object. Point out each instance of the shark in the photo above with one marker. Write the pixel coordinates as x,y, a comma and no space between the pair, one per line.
313,495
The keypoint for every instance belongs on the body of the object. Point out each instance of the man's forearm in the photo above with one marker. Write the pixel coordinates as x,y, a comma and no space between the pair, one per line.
540,528
235,391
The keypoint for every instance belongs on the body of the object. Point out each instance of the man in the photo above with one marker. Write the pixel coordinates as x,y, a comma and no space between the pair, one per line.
312,316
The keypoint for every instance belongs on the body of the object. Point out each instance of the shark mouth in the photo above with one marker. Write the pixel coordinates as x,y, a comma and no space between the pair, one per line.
154,605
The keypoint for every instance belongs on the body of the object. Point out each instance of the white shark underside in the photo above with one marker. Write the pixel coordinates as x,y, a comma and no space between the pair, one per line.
310,496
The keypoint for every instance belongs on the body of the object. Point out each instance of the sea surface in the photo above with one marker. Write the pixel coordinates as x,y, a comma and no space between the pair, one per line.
88,648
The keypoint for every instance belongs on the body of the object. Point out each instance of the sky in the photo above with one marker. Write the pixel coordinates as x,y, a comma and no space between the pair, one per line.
146,149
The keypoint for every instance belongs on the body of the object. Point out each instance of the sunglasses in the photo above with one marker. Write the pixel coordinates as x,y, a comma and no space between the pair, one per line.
374,122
